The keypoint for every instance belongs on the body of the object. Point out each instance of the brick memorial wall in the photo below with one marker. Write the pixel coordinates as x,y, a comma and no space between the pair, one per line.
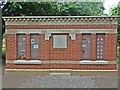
62,58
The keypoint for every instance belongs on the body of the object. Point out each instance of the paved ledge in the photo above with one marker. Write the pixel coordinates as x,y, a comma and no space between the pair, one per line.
93,62
27,62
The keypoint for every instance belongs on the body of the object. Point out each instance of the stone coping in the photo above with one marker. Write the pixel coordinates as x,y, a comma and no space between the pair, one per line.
60,18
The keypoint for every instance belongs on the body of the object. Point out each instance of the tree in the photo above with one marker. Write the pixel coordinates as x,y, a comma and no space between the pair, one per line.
115,11
53,8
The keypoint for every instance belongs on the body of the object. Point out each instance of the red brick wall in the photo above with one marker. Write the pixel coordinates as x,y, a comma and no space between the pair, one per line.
76,52
72,52
60,53
28,41
63,66
93,47
87,26
111,47
11,47
44,48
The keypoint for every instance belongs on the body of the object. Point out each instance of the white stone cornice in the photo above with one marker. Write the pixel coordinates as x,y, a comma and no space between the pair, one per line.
62,18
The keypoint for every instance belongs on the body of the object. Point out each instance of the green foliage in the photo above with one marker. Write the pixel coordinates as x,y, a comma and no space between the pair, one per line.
3,46
3,52
118,57
53,8
115,11
118,31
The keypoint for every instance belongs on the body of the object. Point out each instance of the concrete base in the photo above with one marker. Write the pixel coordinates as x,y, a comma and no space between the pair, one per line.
56,70
60,72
